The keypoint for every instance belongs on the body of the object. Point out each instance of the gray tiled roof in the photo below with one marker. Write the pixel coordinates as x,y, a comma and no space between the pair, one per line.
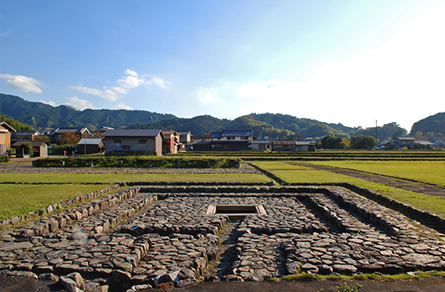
132,133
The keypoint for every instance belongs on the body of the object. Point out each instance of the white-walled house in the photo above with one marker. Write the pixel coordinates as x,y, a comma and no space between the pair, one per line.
133,142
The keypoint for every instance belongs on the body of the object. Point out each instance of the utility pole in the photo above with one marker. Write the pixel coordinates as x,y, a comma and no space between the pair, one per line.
34,122
107,120
376,139
151,118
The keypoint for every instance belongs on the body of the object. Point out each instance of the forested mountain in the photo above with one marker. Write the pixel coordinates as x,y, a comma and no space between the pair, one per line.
390,130
430,126
49,117
16,124
266,124
275,125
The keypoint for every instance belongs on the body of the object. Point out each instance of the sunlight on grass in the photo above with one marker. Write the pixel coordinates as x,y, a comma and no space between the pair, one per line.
424,171
269,165
19,199
419,201
117,178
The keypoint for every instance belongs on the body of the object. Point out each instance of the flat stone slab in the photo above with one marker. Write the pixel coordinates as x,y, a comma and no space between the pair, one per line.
165,233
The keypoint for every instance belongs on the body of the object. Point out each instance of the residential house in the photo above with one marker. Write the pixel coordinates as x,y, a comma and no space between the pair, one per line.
24,136
133,142
90,146
262,144
405,142
438,142
170,142
231,140
102,130
60,133
39,148
185,139
290,145
5,138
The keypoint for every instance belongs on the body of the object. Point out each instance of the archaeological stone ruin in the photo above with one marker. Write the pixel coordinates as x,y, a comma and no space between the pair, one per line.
150,235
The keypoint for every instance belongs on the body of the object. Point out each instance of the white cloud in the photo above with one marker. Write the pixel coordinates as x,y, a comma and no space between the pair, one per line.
123,106
78,103
127,82
160,82
131,73
110,94
207,95
52,103
131,80
22,83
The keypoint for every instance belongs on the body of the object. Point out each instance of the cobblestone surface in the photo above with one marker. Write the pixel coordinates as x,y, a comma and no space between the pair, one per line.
155,236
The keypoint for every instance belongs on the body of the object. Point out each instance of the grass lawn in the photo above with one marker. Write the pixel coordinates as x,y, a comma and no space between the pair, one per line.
423,171
117,178
19,199
420,201
270,165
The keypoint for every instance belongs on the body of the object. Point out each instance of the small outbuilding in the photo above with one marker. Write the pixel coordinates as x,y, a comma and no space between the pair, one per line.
90,146
39,148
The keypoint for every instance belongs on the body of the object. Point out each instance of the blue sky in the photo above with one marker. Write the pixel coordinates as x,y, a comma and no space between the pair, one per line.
351,62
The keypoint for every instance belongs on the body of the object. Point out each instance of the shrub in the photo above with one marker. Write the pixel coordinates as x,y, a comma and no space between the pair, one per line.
25,148
139,161
4,158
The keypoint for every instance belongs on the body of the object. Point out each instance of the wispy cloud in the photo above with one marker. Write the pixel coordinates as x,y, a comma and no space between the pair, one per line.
130,80
52,103
22,83
208,95
122,106
78,103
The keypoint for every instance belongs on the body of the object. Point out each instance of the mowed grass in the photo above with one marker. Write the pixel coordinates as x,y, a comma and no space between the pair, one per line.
420,201
269,165
423,171
19,199
117,178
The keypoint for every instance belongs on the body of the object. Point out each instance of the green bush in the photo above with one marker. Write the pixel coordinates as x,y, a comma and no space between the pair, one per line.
139,161
25,148
4,158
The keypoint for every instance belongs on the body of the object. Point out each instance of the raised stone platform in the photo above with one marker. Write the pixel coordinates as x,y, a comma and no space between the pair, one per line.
154,235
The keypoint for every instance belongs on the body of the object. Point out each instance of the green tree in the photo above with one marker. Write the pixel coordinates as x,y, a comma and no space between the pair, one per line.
331,142
363,142
25,148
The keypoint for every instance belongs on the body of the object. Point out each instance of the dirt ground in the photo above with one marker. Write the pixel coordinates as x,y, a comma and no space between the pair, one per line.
434,284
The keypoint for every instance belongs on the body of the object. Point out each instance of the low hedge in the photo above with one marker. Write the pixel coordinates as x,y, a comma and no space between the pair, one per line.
4,159
138,161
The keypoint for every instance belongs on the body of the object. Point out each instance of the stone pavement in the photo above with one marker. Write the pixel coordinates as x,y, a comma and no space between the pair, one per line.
160,236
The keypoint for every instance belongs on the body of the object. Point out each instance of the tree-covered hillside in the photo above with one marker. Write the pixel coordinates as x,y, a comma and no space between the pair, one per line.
49,117
16,124
266,124
431,126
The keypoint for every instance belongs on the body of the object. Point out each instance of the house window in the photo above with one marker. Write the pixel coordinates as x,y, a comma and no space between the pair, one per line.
142,141
117,141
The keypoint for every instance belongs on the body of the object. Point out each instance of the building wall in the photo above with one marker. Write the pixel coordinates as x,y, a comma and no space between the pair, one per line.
133,144
5,141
